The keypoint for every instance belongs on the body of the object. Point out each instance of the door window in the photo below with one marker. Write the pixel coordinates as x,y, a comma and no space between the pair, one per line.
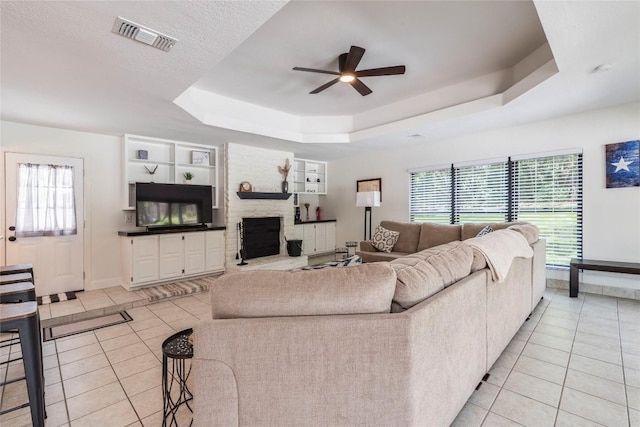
46,203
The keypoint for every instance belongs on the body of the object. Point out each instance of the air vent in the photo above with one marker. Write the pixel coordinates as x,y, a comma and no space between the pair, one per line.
131,30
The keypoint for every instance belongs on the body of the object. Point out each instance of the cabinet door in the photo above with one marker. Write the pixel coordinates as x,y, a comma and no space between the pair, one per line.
321,237
330,235
309,239
144,259
214,248
171,256
193,253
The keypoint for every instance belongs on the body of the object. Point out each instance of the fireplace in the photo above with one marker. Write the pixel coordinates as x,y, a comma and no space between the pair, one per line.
261,236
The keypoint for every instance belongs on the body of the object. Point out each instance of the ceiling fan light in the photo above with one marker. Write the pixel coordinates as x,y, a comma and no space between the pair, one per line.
347,78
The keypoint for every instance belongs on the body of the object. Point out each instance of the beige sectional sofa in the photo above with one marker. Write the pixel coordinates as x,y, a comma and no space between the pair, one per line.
417,237
322,347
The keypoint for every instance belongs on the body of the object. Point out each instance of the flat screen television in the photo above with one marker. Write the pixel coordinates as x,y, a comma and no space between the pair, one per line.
172,205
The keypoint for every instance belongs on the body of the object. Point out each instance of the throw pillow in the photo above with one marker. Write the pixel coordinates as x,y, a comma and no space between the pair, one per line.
486,230
384,240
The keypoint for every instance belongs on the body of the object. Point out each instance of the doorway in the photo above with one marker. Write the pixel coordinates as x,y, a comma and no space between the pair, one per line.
45,219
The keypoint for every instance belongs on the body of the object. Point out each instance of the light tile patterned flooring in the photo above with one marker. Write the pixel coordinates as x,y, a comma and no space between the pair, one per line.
576,362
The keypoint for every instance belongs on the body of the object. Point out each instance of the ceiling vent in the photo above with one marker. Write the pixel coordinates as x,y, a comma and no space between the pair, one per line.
131,30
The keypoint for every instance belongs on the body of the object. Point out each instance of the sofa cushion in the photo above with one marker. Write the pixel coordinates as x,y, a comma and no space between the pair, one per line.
384,240
437,234
409,235
529,231
427,272
362,289
380,256
472,229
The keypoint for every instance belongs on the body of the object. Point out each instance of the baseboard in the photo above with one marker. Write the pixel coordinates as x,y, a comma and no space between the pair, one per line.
612,291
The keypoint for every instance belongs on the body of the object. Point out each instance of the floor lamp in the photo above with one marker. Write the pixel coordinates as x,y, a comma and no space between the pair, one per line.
367,199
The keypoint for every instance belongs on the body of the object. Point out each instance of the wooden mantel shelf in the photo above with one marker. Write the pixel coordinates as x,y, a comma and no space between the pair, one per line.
263,196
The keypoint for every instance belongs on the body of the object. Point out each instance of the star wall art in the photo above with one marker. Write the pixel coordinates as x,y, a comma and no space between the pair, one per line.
623,164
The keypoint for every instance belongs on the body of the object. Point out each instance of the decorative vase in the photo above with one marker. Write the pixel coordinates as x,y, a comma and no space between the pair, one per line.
187,181
307,208
285,186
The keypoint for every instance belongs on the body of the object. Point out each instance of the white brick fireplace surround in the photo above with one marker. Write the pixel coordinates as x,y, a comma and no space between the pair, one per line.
260,167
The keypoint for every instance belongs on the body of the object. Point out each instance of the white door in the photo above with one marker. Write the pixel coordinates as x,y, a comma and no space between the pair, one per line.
144,259
55,251
214,244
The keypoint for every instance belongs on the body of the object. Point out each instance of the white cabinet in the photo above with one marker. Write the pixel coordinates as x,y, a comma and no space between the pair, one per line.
317,238
214,251
309,176
152,259
163,161
171,256
193,253
144,259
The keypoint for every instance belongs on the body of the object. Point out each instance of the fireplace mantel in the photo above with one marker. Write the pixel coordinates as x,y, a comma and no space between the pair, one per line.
263,196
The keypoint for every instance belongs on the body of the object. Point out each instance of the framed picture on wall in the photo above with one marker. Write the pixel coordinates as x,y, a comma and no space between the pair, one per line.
623,164
199,157
374,184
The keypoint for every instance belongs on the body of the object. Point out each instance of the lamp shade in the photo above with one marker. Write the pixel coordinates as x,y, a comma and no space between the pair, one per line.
368,198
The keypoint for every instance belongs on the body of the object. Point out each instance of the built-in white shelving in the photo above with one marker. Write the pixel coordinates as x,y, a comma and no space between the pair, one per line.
309,176
163,161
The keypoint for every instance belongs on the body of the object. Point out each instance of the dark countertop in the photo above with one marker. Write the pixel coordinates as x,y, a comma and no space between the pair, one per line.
141,231
314,221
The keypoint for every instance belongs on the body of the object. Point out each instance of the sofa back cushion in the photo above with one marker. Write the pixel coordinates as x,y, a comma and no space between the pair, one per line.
437,234
409,235
472,229
362,289
427,272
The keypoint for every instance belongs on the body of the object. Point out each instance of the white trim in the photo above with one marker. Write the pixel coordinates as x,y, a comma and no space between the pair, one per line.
481,162
577,150
430,168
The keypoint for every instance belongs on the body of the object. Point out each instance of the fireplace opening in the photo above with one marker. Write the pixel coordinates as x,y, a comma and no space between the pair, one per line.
261,236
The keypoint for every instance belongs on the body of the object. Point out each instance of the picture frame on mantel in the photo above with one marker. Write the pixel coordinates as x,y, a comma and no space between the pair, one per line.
374,184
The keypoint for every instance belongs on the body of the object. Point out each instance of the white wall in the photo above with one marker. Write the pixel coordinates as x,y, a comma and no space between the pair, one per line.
611,216
102,190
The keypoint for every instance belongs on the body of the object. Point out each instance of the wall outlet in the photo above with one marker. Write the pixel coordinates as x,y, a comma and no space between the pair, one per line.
128,218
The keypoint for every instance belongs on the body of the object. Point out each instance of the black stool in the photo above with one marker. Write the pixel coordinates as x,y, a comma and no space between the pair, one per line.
16,268
17,292
7,279
23,318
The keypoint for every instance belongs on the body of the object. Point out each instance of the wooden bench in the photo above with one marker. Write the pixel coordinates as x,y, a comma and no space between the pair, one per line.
577,264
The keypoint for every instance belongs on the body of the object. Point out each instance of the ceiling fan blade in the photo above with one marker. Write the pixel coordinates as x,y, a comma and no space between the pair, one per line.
353,59
342,59
361,87
324,86
384,71
313,70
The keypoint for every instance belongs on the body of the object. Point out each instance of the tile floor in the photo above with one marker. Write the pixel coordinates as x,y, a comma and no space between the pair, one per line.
576,362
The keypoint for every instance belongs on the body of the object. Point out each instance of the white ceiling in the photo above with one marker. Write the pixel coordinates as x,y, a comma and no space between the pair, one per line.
61,66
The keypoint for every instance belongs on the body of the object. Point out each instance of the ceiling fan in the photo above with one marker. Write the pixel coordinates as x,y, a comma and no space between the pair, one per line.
347,63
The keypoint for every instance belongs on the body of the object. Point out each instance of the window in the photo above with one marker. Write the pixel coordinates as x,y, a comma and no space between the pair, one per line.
46,203
546,191
480,194
431,196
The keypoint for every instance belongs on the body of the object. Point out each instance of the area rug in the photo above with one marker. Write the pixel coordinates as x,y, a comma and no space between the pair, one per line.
53,332
177,289
48,299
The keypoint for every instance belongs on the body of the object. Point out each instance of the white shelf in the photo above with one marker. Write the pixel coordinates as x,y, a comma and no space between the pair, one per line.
172,158
306,176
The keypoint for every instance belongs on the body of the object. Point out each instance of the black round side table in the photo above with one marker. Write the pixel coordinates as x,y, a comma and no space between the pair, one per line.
177,348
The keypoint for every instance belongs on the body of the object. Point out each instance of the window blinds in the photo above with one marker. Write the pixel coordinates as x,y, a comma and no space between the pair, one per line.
431,196
481,193
546,191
